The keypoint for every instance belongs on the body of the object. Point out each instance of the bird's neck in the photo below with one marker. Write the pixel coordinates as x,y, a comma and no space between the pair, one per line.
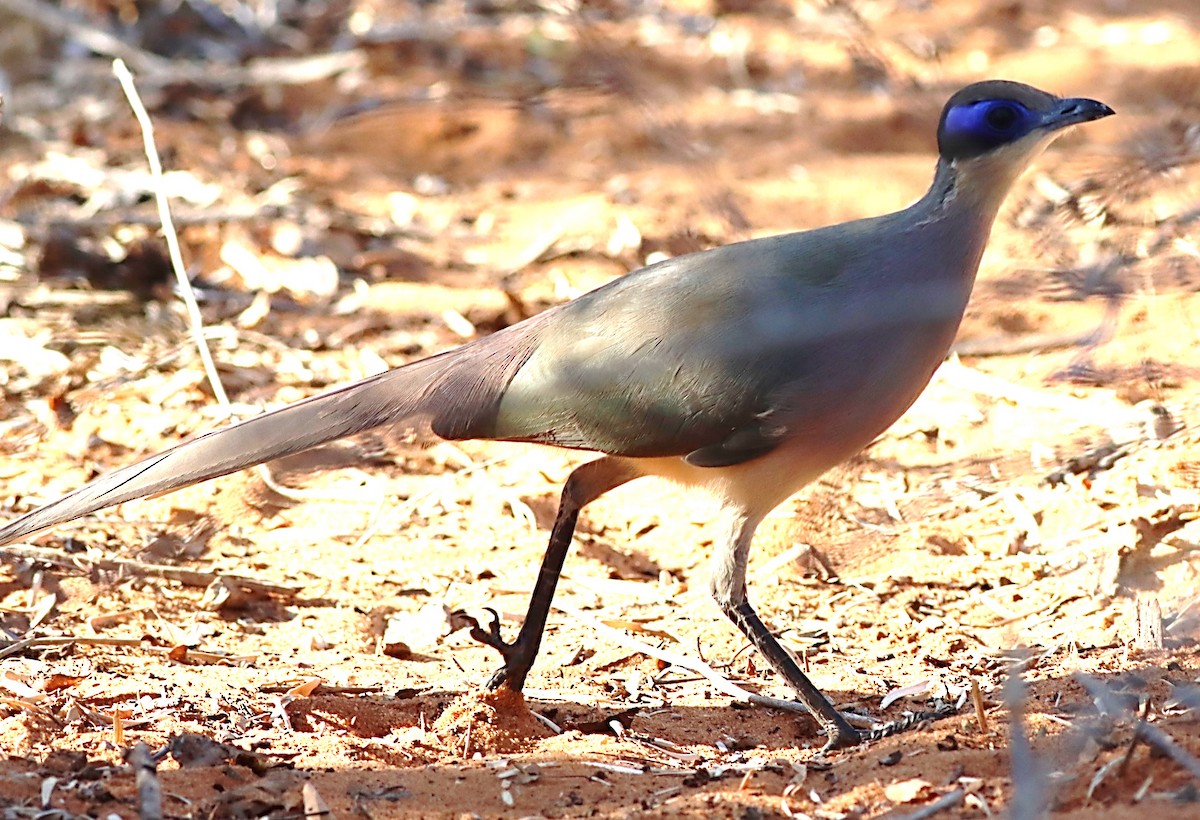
949,228
976,186
944,190
971,190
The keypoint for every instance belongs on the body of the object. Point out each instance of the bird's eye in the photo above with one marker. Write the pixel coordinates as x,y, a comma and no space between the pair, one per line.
1002,117
972,128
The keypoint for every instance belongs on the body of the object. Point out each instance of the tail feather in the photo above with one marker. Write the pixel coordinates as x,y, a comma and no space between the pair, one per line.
396,397
454,395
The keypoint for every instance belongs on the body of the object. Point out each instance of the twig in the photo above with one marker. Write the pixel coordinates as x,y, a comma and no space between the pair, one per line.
164,212
66,640
82,220
980,712
719,682
175,653
187,577
947,801
194,657
1026,343
1046,611
325,689
1150,734
160,71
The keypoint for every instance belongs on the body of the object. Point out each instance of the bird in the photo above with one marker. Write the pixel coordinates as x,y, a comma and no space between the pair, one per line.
744,371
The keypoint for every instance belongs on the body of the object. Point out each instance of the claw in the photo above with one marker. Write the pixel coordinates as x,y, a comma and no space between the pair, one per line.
498,679
491,635
518,655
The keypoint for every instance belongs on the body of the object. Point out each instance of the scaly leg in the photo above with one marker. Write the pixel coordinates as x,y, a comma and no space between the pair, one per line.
587,483
728,587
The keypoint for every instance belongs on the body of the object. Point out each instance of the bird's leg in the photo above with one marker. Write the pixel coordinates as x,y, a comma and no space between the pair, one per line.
587,483
728,587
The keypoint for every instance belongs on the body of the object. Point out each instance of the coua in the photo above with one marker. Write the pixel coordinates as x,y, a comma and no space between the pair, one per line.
747,370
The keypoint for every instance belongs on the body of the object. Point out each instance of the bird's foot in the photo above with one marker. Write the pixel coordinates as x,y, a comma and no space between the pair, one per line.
837,725
842,737
517,659
490,635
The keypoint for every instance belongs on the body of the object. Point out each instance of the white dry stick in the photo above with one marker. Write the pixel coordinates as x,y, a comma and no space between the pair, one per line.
168,226
947,801
718,681
314,806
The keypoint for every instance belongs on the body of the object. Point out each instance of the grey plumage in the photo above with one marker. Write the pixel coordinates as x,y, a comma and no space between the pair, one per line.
747,370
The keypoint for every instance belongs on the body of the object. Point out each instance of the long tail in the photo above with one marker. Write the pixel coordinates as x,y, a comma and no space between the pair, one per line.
373,402
419,393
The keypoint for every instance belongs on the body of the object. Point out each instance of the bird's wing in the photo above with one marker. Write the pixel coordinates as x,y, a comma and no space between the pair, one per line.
702,356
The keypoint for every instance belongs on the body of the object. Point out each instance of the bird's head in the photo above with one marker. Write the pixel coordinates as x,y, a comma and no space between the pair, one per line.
991,131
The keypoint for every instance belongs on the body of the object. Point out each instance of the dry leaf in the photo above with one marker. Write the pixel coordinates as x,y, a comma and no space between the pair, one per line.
422,631
314,806
634,626
305,689
917,688
907,791
60,681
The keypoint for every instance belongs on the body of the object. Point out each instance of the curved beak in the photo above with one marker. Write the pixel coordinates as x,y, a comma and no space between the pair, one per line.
1075,110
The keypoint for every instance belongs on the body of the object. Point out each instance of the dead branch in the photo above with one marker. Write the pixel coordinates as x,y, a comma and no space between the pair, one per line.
172,237
947,801
160,71
1152,735
139,569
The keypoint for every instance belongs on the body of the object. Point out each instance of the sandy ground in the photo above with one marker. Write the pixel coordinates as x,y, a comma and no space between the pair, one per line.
1035,512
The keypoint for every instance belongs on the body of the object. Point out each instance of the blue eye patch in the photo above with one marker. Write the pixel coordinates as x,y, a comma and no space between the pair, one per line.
975,128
